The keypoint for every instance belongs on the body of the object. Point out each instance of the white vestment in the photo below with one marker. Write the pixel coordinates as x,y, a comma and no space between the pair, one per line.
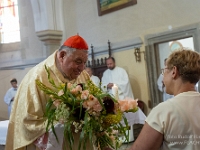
119,77
8,98
162,88
95,80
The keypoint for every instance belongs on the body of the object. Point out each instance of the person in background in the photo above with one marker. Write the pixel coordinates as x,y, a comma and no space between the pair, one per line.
161,85
118,76
174,124
27,128
10,95
94,79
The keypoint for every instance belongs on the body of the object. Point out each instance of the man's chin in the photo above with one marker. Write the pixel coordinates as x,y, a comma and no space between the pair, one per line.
75,76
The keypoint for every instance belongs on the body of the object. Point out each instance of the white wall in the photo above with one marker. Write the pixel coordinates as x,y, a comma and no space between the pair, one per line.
5,77
133,21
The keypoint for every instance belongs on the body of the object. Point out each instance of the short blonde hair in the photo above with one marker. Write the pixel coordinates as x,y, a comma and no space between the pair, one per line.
187,62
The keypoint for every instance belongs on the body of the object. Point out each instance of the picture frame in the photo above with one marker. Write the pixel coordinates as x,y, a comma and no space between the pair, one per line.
108,6
175,45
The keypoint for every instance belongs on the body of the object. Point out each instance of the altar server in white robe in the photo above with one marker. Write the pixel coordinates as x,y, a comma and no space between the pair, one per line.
10,94
118,76
94,78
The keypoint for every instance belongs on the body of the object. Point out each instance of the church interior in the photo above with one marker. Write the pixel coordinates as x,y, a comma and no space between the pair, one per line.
138,34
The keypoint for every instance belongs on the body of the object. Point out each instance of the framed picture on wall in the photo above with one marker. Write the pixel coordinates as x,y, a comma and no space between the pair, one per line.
107,6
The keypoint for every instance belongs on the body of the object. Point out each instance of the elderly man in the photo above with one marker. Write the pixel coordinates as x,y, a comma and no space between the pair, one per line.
27,123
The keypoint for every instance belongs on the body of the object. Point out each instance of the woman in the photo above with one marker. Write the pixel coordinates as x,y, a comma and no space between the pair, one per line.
173,124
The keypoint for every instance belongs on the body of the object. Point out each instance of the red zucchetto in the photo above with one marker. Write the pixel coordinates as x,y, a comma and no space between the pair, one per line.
76,42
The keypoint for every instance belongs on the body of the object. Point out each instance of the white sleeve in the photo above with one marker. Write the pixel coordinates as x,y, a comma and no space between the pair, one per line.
52,143
8,97
104,82
123,83
48,141
95,80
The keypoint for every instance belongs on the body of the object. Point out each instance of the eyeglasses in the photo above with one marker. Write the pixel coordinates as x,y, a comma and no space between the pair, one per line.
163,70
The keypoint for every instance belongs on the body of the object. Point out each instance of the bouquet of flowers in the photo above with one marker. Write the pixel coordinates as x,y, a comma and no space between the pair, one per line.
85,108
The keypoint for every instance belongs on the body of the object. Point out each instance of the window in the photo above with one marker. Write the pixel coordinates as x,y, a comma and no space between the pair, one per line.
9,21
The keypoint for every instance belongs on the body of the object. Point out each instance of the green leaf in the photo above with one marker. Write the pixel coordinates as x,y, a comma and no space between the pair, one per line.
53,130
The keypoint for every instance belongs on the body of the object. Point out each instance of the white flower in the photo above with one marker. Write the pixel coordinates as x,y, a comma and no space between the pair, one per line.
76,131
60,93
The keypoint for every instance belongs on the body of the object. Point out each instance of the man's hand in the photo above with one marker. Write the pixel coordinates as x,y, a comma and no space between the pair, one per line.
41,142
52,143
110,85
48,140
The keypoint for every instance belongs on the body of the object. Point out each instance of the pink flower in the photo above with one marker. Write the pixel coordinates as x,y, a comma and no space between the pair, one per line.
132,103
57,103
97,107
84,94
69,85
76,90
127,104
92,103
123,105
79,88
92,98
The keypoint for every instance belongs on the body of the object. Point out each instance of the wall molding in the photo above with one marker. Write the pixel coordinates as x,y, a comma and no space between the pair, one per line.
115,47
118,46
21,64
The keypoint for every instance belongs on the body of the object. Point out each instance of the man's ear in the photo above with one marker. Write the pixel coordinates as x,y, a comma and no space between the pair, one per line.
61,54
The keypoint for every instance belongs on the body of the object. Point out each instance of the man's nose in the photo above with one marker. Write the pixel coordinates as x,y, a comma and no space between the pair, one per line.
81,67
